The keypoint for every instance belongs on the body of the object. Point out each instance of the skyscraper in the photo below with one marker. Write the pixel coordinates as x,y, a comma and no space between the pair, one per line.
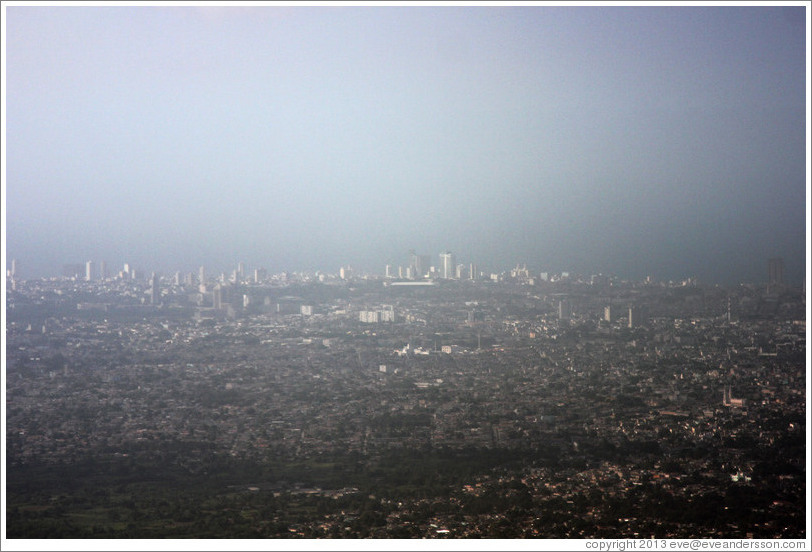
217,297
418,264
636,316
448,265
775,270
414,261
154,292
90,269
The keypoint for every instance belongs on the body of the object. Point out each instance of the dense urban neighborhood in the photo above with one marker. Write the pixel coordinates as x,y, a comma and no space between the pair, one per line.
300,405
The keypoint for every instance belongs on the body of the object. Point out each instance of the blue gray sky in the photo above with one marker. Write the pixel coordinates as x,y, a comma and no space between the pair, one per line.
662,141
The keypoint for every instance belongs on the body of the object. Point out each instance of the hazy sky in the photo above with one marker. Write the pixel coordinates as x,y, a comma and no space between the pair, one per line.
663,141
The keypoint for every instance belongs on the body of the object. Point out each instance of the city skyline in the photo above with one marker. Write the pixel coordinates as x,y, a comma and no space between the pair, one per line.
240,271
636,141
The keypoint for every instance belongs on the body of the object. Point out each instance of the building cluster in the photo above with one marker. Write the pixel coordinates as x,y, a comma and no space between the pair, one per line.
633,393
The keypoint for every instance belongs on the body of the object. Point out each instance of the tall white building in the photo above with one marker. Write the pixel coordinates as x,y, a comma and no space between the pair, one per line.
90,270
448,265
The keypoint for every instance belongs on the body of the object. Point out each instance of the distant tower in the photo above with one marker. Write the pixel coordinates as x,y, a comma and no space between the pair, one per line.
13,272
418,265
217,297
201,277
607,313
775,270
103,270
448,265
414,264
635,317
90,269
154,292
472,271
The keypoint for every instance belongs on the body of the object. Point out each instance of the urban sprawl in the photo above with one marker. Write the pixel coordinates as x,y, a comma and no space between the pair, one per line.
429,402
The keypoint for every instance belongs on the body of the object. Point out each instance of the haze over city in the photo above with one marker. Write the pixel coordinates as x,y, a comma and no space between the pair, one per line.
662,141
322,272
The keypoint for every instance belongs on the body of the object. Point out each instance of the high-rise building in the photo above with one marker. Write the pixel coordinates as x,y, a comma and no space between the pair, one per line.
413,263
217,297
154,291
387,314
103,270
775,271
90,270
636,317
472,272
418,264
201,279
448,265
